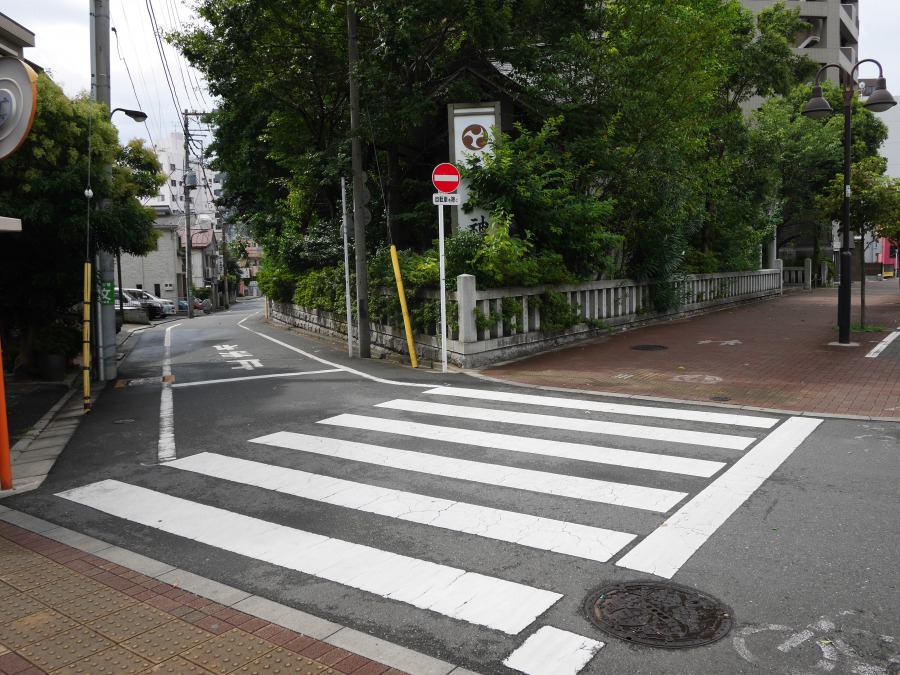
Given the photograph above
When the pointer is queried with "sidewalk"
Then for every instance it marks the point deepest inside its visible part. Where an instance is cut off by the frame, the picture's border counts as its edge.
(773, 354)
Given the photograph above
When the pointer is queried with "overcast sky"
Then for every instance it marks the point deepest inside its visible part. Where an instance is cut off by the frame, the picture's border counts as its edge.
(62, 38)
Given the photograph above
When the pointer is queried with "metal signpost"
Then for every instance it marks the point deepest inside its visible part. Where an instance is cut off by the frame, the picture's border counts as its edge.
(446, 179)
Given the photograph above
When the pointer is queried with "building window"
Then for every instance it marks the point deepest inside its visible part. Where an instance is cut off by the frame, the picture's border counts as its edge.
(173, 182)
(171, 167)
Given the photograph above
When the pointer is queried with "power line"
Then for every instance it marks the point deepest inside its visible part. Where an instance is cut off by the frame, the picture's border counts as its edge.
(130, 79)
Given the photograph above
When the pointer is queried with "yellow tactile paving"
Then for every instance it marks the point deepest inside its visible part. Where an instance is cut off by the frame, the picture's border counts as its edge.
(65, 588)
(17, 605)
(129, 622)
(283, 661)
(170, 639)
(64, 648)
(179, 666)
(34, 628)
(228, 651)
(112, 660)
(95, 605)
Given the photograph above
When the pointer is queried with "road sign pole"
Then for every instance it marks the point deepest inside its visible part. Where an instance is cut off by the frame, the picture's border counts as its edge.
(443, 288)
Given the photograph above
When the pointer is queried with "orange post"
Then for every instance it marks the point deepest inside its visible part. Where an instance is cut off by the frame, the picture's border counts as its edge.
(5, 464)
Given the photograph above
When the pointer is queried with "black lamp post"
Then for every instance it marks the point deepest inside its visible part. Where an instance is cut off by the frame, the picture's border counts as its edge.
(817, 108)
(137, 116)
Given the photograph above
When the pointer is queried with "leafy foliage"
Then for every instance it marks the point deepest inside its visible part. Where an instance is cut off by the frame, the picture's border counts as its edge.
(43, 184)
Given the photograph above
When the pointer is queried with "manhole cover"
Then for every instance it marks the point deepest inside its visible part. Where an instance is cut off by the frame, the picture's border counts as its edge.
(658, 614)
(649, 348)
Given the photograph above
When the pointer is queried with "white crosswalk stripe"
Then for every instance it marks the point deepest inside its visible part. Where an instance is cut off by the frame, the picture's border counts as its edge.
(486, 601)
(603, 407)
(573, 424)
(592, 543)
(714, 470)
(587, 453)
(606, 492)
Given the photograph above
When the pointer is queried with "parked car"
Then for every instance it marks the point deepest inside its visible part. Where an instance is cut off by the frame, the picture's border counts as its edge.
(167, 305)
(143, 299)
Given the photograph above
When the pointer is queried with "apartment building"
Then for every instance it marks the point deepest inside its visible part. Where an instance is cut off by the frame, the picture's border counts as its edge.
(833, 36)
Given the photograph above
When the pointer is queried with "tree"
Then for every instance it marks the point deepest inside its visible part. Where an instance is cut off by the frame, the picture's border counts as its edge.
(43, 184)
(874, 209)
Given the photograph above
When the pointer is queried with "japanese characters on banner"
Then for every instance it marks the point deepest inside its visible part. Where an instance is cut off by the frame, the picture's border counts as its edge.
(470, 128)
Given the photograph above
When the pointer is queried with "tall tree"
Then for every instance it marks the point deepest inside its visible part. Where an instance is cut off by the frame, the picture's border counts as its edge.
(43, 184)
(874, 209)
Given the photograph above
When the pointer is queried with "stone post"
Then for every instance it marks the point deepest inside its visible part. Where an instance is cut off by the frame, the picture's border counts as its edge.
(465, 293)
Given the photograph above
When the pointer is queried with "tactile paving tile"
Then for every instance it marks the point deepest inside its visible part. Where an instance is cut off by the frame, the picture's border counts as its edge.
(168, 640)
(228, 651)
(282, 661)
(37, 573)
(112, 660)
(65, 588)
(179, 666)
(129, 622)
(33, 628)
(94, 605)
(6, 589)
(17, 605)
(65, 648)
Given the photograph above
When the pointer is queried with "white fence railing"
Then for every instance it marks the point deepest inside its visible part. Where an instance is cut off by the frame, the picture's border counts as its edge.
(504, 323)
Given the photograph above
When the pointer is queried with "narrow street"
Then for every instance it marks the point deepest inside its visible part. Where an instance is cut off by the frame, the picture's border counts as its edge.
(459, 517)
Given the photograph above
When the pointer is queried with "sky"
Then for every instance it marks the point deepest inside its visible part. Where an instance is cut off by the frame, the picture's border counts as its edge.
(138, 77)
(62, 37)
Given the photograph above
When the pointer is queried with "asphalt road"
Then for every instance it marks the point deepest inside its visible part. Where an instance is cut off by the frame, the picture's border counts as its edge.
(455, 517)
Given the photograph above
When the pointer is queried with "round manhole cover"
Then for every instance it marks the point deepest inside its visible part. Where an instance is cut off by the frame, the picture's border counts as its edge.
(658, 614)
(649, 348)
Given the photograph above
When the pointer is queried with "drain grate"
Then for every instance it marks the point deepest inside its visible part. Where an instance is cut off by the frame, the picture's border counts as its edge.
(658, 614)
(649, 348)
(719, 398)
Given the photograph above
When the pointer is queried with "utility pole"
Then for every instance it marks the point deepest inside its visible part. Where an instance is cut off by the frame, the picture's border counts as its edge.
(359, 222)
(189, 280)
(106, 315)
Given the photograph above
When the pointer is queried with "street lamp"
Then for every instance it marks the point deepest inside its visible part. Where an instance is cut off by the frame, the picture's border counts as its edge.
(818, 108)
(137, 116)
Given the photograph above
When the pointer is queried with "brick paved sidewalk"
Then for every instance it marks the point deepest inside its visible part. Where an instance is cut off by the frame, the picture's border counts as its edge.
(773, 354)
(68, 611)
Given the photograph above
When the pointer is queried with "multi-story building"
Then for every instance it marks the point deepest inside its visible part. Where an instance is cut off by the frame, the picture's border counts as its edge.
(833, 36)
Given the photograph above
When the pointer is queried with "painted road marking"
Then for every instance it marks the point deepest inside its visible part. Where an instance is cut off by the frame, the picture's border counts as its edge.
(592, 543)
(605, 492)
(165, 446)
(486, 601)
(484, 439)
(551, 651)
(667, 548)
(601, 407)
(881, 346)
(573, 424)
(254, 377)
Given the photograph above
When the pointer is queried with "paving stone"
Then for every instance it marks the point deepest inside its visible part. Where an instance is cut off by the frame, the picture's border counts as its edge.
(113, 660)
(129, 622)
(17, 605)
(64, 648)
(231, 650)
(282, 661)
(179, 666)
(168, 640)
(34, 627)
(97, 604)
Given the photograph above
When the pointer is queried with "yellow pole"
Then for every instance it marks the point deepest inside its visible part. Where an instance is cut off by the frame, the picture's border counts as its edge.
(86, 339)
(402, 294)
(5, 463)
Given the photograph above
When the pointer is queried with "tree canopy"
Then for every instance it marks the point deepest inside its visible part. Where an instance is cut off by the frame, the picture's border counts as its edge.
(43, 184)
(632, 153)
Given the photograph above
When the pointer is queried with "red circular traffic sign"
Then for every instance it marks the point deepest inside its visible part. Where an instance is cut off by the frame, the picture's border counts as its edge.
(445, 177)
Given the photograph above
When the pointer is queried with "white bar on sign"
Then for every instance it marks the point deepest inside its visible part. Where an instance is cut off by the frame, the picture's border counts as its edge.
(10, 224)
(502, 605)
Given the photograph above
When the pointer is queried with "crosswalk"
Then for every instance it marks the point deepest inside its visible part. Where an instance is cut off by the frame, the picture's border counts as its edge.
(687, 470)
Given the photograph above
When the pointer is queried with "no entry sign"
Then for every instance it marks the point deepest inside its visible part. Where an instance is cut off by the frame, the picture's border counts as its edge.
(445, 177)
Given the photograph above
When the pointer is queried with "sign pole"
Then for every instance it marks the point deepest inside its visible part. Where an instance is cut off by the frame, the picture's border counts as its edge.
(346, 267)
(443, 289)
(445, 178)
